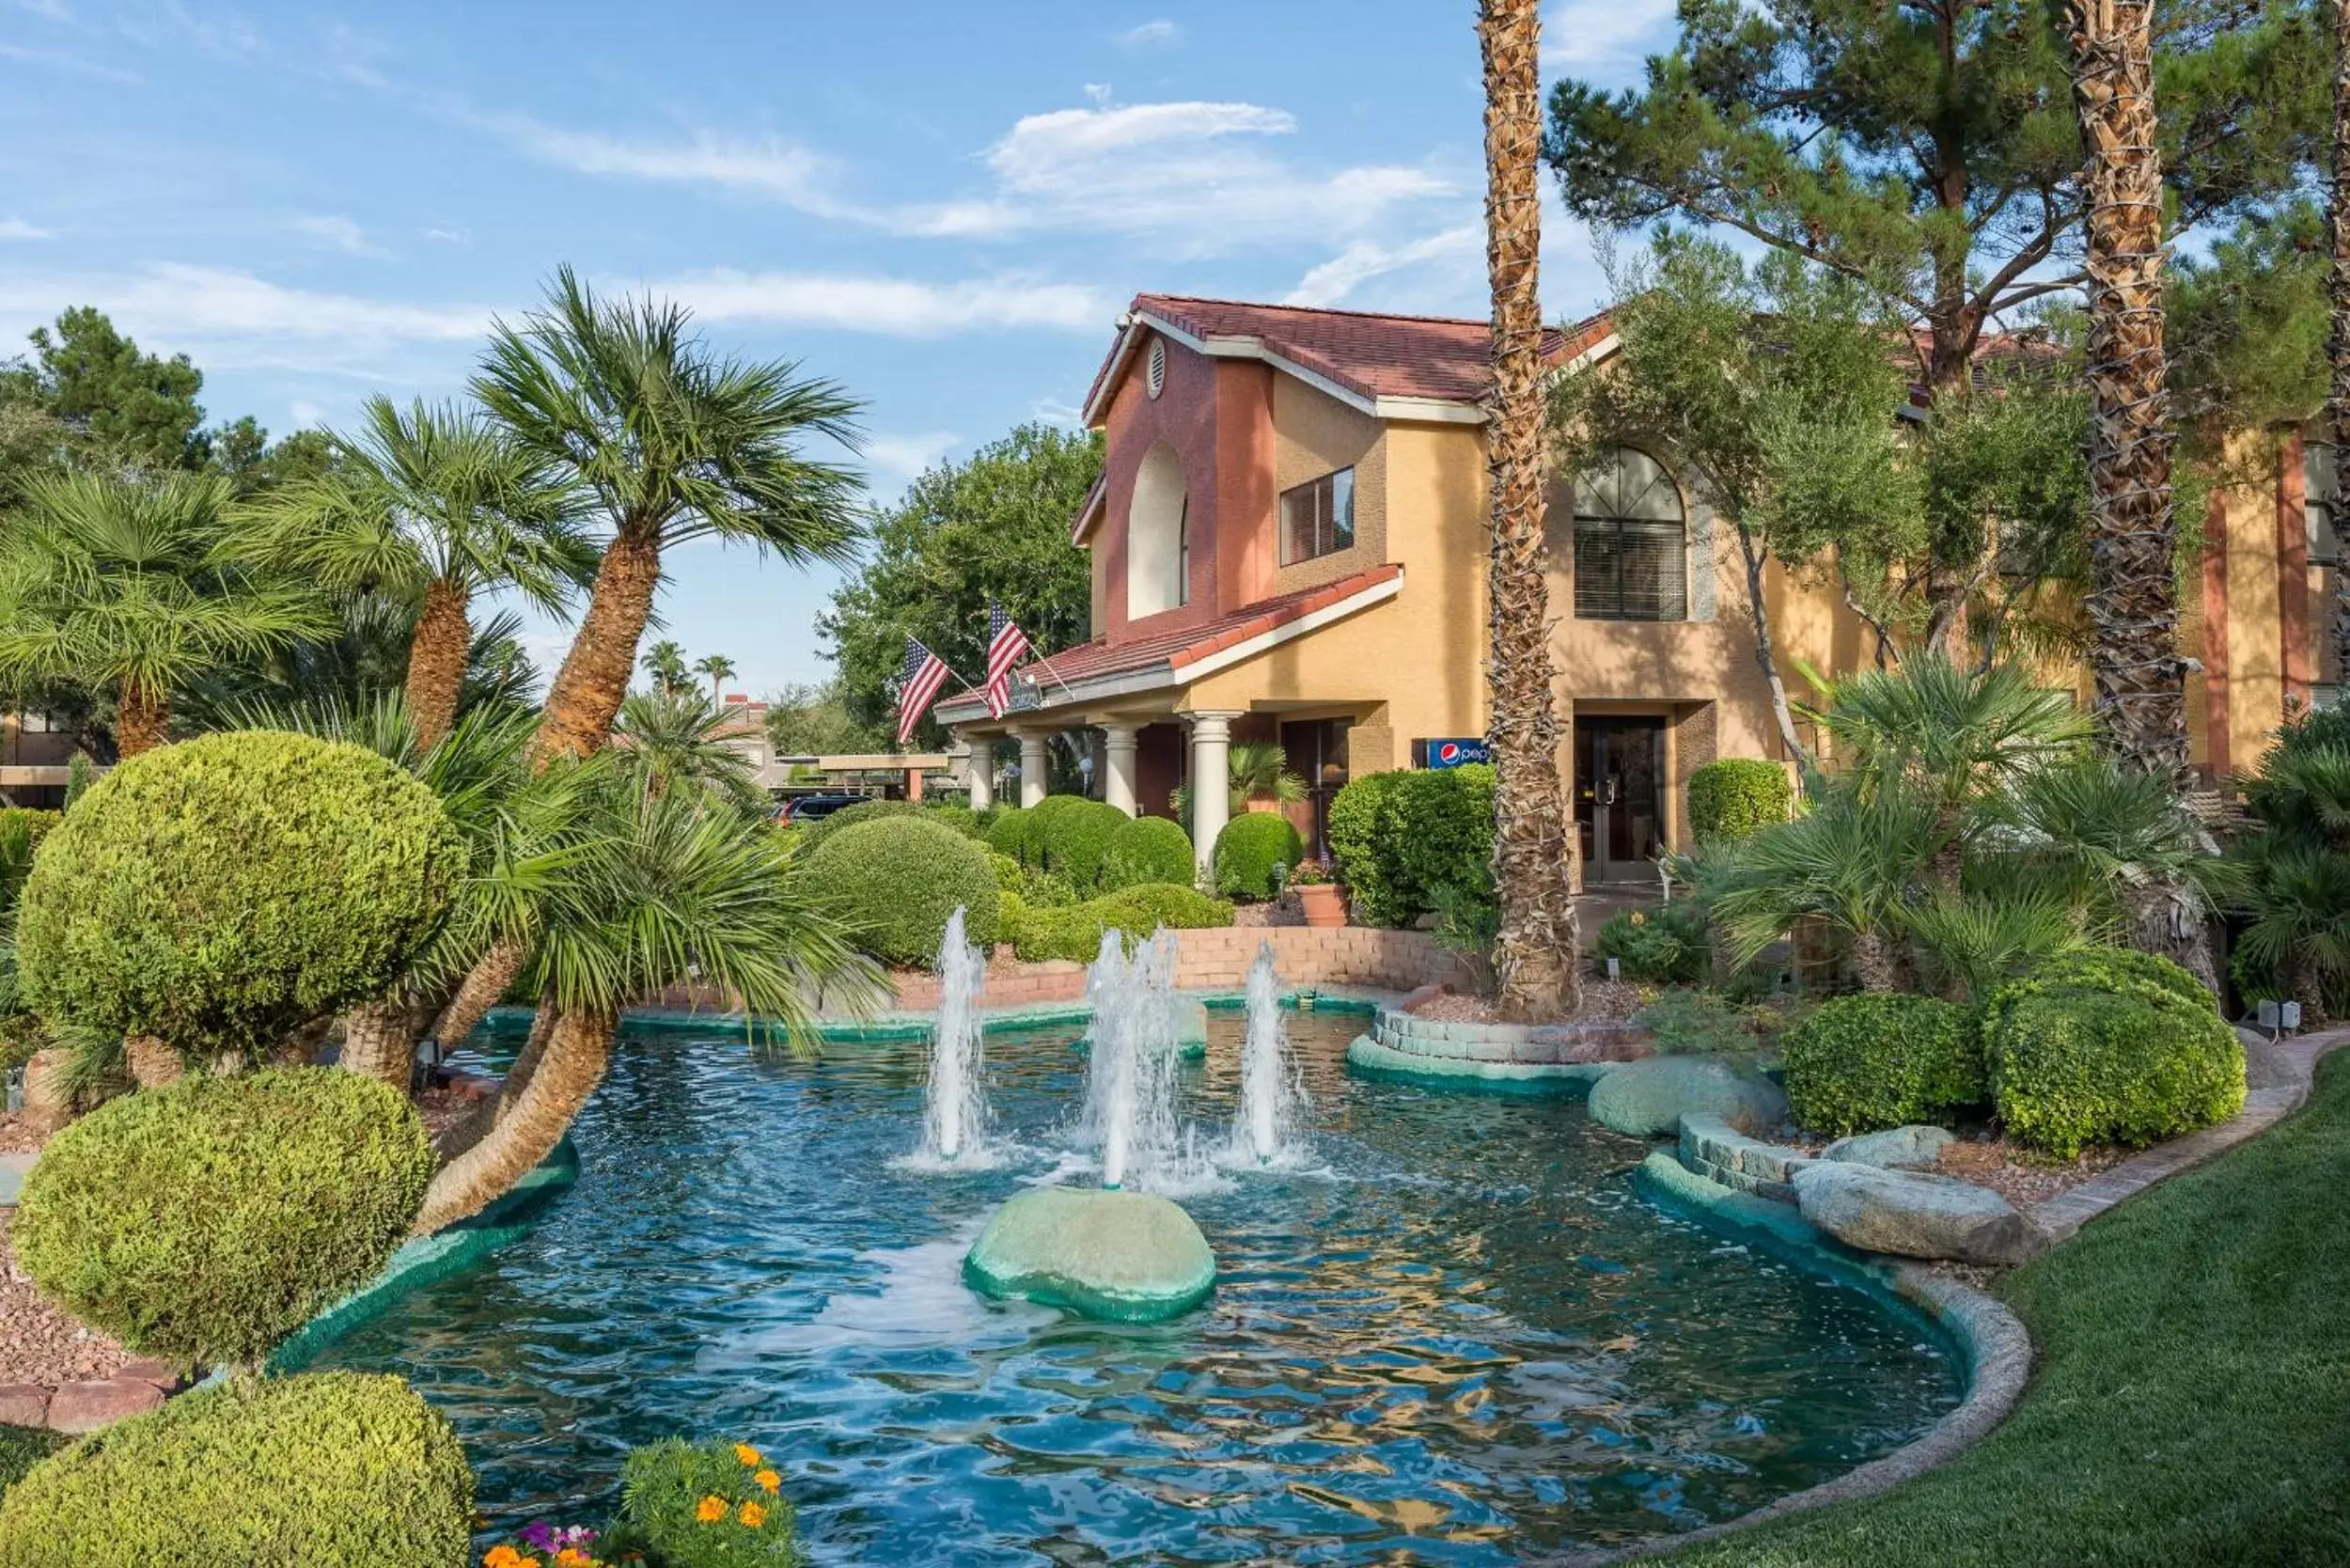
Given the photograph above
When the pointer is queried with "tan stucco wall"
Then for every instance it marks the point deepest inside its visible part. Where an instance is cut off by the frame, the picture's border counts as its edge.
(2255, 669)
(1313, 434)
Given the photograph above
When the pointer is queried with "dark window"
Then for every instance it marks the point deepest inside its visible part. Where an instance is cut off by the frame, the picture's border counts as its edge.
(2319, 500)
(1318, 517)
(1631, 541)
(1182, 554)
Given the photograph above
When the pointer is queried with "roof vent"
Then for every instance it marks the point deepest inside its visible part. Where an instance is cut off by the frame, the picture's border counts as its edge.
(1155, 378)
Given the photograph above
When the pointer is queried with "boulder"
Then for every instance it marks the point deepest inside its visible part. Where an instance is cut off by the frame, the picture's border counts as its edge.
(1647, 1098)
(1916, 1215)
(85, 1406)
(48, 1101)
(1127, 1257)
(1912, 1148)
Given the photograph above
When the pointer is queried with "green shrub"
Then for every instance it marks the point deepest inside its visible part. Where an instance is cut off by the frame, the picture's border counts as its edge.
(1254, 853)
(1410, 842)
(1666, 944)
(1359, 831)
(822, 828)
(1860, 1063)
(2106, 1046)
(1147, 848)
(1009, 834)
(35, 823)
(329, 1467)
(1735, 796)
(961, 818)
(1076, 841)
(208, 1219)
(220, 892)
(664, 1492)
(1687, 1022)
(1075, 932)
(24, 1447)
(898, 879)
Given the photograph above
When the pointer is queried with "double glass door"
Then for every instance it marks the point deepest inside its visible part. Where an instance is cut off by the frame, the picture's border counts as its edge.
(1620, 798)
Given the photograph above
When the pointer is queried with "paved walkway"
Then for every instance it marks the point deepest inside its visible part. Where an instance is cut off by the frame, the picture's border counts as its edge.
(2277, 1078)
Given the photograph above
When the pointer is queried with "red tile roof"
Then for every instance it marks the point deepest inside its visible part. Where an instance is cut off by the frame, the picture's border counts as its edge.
(1185, 646)
(1375, 355)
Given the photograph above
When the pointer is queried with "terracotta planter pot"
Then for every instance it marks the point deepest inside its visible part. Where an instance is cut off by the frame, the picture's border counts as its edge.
(1323, 905)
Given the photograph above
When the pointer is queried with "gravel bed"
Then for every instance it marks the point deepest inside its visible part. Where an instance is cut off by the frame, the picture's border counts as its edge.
(1601, 999)
(38, 1343)
(2020, 1176)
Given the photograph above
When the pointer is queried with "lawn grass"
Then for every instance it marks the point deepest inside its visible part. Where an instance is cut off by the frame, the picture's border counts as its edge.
(2191, 1402)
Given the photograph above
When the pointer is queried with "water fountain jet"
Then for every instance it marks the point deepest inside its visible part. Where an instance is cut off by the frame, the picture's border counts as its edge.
(954, 1122)
(1270, 1094)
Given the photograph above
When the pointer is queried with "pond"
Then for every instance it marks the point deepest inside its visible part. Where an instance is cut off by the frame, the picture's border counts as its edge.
(1453, 1335)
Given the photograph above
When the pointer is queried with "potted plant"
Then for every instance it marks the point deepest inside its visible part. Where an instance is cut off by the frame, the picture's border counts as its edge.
(1317, 895)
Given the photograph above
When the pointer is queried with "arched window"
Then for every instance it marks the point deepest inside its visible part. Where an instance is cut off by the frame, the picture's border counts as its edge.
(1631, 541)
(1157, 543)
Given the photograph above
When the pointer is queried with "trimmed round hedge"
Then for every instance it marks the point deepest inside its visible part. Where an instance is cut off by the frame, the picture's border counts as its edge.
(822, 828)
(2109, 1046)
(1147, 848)
(1074, 931)
(1734, 797)
(1009, 834)
(898, 879)
(220, 892)
(1407, 843)
(1076, 841)
(1862, 1063)
(1253, 853)
(328, 1467)
(207, 1220)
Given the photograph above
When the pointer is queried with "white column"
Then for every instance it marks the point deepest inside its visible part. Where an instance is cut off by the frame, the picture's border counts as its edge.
(982, 769)
(1118, 750)
(1211, 785)
(1032, 768)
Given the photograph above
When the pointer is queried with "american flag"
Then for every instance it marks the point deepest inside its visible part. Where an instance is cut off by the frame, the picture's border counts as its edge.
(918, 680)
(1007, 644)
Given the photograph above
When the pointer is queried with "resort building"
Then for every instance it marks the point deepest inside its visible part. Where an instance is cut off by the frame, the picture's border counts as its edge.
(1288, 544)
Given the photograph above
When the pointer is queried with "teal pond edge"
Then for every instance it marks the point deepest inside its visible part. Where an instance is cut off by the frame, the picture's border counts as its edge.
(425, 1259)
(1368, 1058)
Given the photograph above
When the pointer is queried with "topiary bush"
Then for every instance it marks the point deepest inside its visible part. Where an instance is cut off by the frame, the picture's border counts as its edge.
(1408, 844)
(2108, 1045)
(328, 1467)
(1076, 841)
(961, 818)
(1074, 933)
(220, 892)
(205, 1221)
(1666, 944)
(1147, 848)
(1361, 830)
(822, 828)
(1860, 1063)
(897, 880)
(702, 1505)
(1735, 796)
(1009, 834)
(1255, 853)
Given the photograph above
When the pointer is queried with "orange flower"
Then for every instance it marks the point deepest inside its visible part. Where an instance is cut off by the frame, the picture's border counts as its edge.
(768, 1480)
(571, 1557)
(752, 1515)
(710, 1510)
(500, 1556)
(747, 1454)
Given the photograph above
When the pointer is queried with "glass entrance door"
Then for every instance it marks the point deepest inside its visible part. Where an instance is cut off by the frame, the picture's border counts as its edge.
(1620, 798)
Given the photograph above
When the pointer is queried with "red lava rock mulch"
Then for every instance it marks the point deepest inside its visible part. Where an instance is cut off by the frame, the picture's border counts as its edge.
(1602, 998)
(17, 1136)
(2023, 1178)
(39, 1343)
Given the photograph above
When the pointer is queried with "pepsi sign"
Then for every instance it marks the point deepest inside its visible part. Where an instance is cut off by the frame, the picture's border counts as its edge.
(1456, 752)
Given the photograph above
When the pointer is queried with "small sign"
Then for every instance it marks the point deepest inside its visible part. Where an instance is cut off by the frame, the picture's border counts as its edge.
(1023, 697)
(1456, 752)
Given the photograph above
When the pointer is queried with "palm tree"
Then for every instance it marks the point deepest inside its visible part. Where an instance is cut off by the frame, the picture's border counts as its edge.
(137, 587)
(2133, 607)
(669, 737)
(1854, 862)
(432, 507)
(664, 890)
(664, 661)
(1534, 952)
(720, 669)
(673, 442)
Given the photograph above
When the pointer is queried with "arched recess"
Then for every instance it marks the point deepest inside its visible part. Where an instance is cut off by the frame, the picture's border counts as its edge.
(1631, 541)
(1157, 535)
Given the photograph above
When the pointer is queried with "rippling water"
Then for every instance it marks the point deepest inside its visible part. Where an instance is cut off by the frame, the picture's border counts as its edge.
(1459, 1338)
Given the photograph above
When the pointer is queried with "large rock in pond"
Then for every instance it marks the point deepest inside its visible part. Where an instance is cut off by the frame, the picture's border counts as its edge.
(1912, 1148)
(1647, 1098)
(1916, 1215)
(1127, 1257)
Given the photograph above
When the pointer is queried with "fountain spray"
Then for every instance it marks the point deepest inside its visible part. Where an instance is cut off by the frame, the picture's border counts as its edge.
(955, 1115)
(1269, 1091)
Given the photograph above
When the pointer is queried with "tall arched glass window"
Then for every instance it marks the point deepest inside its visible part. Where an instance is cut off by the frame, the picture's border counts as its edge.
(1631, 541)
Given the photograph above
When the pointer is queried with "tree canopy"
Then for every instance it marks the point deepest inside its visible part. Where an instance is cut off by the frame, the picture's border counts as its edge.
(995, 526)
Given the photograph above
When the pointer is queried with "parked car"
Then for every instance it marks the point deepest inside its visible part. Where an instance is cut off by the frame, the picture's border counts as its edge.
(814, 808)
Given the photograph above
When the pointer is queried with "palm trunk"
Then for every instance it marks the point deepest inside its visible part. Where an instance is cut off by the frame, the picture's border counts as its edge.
(379, 1041)
(579, 1048)
(491, 973)
(2132, 609)
(1534, 955)
(436, 661)
(142, 718)
(1873, 964)
(594, 678)
(151, 1063)
(2338, 351)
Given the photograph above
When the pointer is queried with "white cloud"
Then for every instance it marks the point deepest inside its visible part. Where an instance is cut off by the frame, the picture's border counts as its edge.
(1605, 39)
(900, 307)
(59, 59)
(305, 415)
(1159, 34)
(770, 167)
(893, 462)
(449, 236)
(1054, 412)
(342, 233)
(1334, 280)
(17, 228)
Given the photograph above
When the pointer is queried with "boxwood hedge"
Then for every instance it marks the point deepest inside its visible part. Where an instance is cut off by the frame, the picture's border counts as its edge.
(1147, 848)
(1254, 855)
(1074, 931)
(1076, 840)
(1405, 841)
(1734, 797)
(822, 828)
(1860, 1063)
(897, 880)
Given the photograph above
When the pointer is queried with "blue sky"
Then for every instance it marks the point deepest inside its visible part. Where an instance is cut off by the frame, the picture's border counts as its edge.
(942, 206)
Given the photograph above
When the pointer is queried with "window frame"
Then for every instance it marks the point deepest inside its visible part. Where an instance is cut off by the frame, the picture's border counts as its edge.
(1326, 531)
(1618, 527)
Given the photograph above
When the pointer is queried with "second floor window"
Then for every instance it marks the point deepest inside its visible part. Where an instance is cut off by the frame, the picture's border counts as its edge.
(1318, 517)
(1631, 541)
